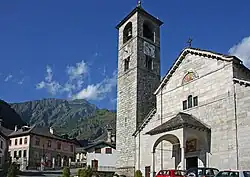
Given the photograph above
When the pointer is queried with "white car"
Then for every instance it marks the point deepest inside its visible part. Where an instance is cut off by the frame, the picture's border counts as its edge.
(233, 173)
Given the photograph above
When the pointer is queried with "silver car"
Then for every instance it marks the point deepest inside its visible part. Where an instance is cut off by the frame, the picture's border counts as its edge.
(233, 173)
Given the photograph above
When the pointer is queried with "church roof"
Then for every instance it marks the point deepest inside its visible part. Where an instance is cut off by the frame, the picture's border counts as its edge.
(194, 51)
(142, 11)
(181, 120)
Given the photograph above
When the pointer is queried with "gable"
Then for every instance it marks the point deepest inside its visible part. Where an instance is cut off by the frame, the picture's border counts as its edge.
(195, 61)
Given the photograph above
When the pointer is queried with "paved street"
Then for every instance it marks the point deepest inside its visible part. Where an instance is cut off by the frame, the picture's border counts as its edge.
(54, 173)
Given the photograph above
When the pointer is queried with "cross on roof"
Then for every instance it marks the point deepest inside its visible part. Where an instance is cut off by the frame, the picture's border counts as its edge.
(189, 42)
(139, 3)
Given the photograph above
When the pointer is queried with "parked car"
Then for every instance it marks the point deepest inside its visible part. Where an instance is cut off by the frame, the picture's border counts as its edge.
(171, 173)
(234, 173)
(202, 172)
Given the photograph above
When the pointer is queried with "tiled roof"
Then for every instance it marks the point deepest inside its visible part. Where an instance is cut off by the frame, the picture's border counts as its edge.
(42, 131)
(179, 121)
(99, 143)
(5, 132)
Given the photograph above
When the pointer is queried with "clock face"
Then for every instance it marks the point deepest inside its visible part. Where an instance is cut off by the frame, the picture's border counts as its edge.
(149, 49)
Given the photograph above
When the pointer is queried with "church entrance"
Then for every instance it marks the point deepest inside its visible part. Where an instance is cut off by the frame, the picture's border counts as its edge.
(191, 162)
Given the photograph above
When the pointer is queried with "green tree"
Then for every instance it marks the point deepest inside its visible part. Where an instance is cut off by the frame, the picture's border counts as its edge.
(12, 171)
(66, 172)
(138, 173)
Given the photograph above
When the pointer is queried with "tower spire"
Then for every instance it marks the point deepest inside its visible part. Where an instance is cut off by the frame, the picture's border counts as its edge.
(139, 3)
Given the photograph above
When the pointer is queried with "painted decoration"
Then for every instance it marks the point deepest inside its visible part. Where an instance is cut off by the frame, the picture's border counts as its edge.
(189, 77)
(191, 145)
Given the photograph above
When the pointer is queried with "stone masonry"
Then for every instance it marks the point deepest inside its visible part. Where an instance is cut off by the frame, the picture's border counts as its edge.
(135, 88)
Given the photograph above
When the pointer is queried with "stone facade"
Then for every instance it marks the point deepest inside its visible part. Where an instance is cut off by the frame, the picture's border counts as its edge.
(135, 86)
(210, 90)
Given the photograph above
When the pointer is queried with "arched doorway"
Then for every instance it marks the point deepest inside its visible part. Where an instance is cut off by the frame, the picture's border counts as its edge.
(166, 153)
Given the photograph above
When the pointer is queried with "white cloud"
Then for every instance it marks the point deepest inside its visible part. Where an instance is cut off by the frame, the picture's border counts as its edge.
(20, 82)
(8, 78)
(53, 87)
(97, 91)
(78, 71)
(242, 51)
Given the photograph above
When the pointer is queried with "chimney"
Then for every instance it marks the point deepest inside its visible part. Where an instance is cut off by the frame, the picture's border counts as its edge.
(15, 128)
(51, 130)
(109, 140)
(1, 122)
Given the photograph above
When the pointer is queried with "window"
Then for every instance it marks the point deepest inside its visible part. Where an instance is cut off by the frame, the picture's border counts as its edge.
(59, 145)
(149, 62)
(24, 153)
(246, 173)
(98, 150)
(20, 153)
(25, 140)
(108, 150)
(147, 32)
(229, 174)
(126, 64)
(127, 32)
(195, 101)
(1, 146)
(184, 105)
(10, 142)
(15, 141)
(15, 154)
(190, 103)
(37, 143)
(49, 143)
(20, 141)
(71, 148)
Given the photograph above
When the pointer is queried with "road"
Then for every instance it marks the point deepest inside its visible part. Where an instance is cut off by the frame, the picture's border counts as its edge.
(46, 173)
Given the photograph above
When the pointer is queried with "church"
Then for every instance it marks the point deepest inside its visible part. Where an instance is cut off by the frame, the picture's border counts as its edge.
(197, 115)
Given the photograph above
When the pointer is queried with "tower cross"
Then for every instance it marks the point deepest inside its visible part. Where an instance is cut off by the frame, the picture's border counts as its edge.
(139, 3)
(189, 42)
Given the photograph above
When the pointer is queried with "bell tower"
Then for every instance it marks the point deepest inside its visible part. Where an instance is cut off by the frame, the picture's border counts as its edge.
(138, 78)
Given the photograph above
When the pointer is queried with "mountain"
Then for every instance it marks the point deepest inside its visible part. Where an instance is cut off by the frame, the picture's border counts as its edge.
(77, 118)
(9, 116)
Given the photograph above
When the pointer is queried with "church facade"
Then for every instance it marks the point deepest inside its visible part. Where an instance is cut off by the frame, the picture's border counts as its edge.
(197, 115)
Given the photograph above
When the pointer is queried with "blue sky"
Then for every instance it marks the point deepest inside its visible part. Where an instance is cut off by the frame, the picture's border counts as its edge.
(68, 49)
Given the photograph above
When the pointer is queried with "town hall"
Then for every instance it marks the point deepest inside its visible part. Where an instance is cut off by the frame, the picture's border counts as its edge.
(197, 115)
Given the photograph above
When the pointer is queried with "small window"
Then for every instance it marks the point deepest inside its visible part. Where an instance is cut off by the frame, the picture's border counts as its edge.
(149, 63)
(25, 140)
(49, 143)
(59, 145)
(98, 150)
(37, 143)
(15, 141)
(195, 101)
(20, 141)
(126, 64)
(10, 142)
(15, 154)
(24, 153)
(108, 150)
(184, 105)
(1, 146)
(190, 101)
(71, 148)
(20, 153)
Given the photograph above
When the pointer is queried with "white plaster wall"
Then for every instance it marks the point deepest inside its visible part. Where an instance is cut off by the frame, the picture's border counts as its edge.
(106, 160)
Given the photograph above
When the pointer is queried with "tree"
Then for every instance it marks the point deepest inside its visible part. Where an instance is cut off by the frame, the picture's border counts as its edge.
(12, 171)
(66, 172)
(138, 173)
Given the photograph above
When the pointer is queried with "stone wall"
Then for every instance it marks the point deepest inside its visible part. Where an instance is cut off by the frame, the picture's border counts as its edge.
(214, 88)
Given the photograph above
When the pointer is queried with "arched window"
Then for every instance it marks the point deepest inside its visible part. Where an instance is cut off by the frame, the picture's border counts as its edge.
(127, 32)
(148, 32)
(190, 101)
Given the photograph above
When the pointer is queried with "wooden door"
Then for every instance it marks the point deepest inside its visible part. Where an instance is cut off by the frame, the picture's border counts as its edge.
(147, 171)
